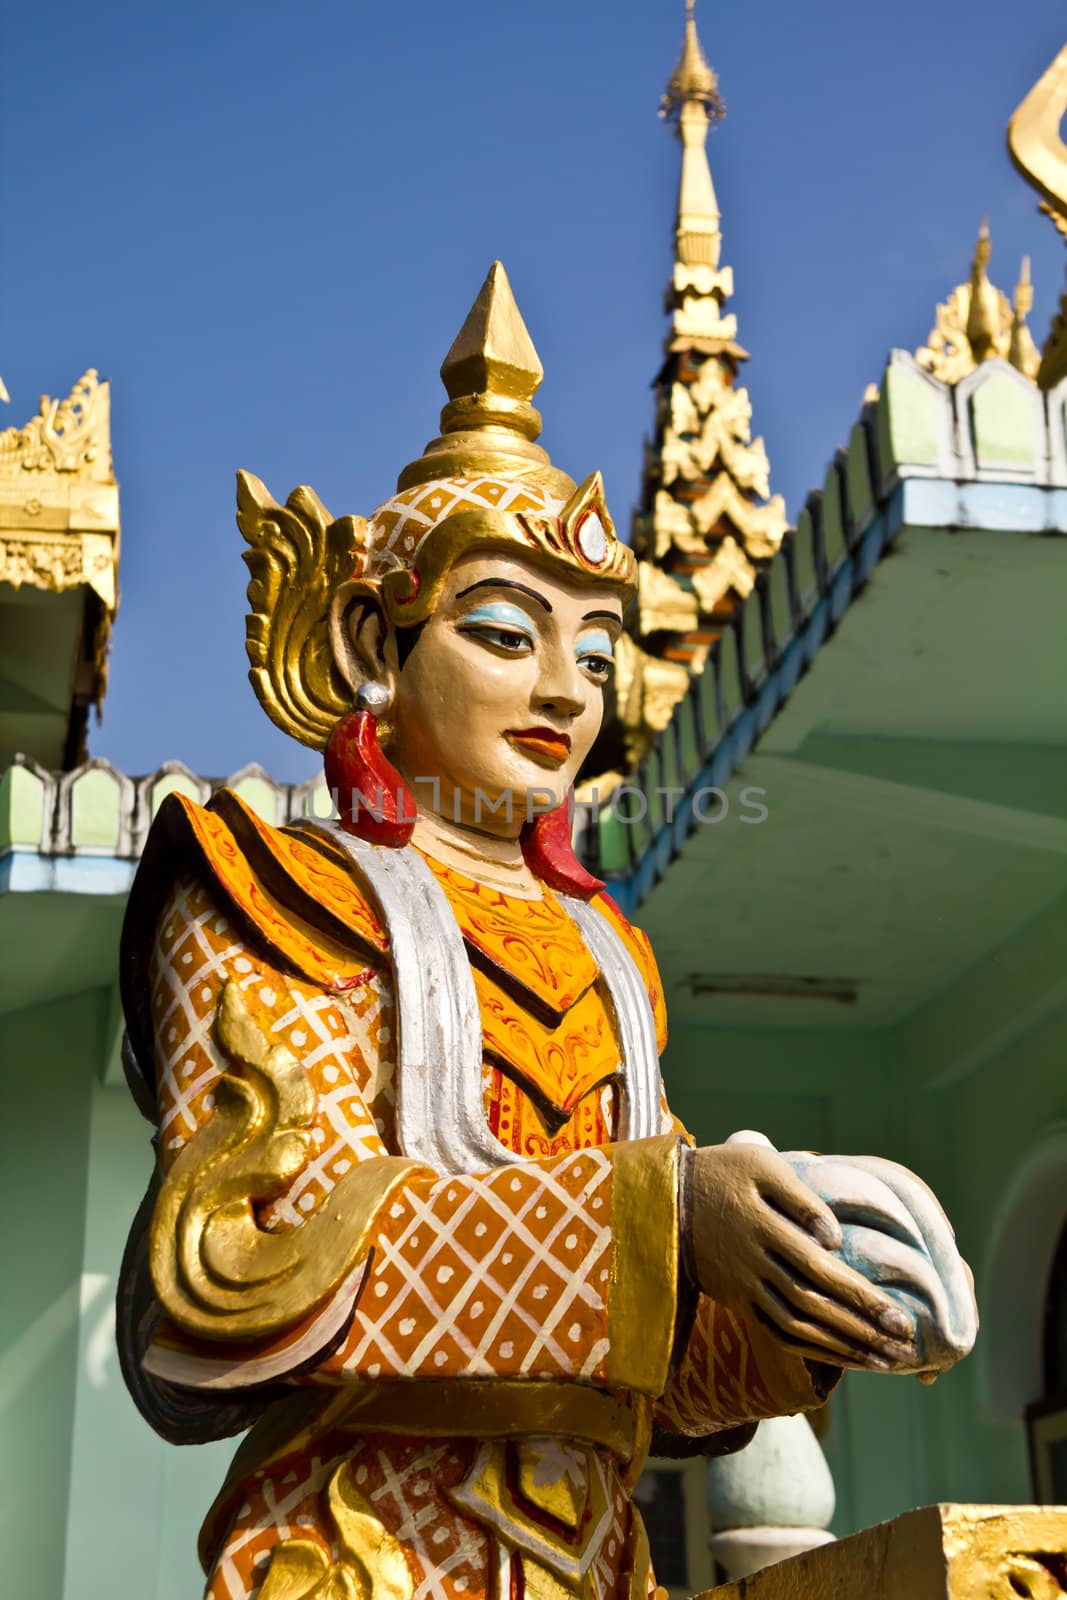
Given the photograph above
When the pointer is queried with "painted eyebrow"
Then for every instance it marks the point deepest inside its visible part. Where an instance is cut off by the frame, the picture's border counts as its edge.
(505, 583)
(608, 616)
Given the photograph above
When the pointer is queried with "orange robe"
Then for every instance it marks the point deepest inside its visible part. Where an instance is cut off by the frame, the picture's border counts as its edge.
(517, 1332)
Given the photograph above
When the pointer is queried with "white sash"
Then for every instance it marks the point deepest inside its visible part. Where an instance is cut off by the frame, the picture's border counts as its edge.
(440, 1110)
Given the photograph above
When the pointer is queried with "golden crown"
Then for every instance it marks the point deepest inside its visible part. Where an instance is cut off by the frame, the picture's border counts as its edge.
(483, 480)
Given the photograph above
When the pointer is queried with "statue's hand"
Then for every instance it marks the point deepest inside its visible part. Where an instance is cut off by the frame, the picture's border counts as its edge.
(760, 1244)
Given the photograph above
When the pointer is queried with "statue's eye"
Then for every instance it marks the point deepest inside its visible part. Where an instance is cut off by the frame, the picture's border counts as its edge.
(597, 666)
(515, 641)
(502, 627)
(596, 656)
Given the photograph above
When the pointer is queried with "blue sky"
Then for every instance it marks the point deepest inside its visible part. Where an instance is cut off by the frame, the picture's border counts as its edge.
(265, 222)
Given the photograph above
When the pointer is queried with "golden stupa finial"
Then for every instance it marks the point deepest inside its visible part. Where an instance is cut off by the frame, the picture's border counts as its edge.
(1022, 351)
(692, 81)
(691, 104)
(491, 374)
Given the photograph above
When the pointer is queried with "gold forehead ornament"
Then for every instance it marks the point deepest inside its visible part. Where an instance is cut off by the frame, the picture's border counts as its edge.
(483, 481)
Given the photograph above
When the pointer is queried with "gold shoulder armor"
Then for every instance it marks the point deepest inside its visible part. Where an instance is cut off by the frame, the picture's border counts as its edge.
(297, 557)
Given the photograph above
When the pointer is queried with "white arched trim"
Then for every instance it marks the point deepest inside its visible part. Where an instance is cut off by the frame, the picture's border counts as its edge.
(1013, 1283)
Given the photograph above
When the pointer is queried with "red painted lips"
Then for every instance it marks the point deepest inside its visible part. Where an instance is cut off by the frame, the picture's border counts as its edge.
(547, 746)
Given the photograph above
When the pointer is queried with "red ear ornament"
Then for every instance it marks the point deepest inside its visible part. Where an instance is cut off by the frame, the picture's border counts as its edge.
(372, 798)
(549, 853)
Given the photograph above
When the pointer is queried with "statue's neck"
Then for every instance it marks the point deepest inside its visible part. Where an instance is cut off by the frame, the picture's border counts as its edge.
(496, 862)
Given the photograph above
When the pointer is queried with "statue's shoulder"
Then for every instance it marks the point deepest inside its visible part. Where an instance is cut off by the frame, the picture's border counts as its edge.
(292, 893)
(633, 938)
(639, 946)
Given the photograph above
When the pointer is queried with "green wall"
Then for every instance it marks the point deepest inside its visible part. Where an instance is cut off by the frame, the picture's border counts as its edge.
(93, 1506)
(964, 1092)
(141, 1512)
(44, 1150)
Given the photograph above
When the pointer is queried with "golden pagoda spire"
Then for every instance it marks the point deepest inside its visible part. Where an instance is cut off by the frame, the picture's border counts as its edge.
(691, 103)
(1022, 351)
(706, 521)
(692, 78)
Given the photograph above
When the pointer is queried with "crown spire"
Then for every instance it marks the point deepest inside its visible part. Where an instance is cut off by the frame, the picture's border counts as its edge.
(493, 354)
(491, 374)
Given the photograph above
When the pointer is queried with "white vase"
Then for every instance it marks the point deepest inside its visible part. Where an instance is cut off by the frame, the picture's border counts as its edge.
(771, 1500)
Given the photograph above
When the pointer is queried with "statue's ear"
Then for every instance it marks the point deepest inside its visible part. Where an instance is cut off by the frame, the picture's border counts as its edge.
(360, 636)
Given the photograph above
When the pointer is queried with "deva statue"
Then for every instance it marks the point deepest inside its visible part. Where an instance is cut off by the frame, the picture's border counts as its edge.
(421, 1221)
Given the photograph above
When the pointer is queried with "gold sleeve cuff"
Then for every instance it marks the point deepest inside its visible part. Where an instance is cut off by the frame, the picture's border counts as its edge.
(644, 1273)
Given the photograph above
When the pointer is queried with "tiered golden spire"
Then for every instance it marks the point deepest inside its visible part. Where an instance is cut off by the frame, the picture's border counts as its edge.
(708, 471)
(706, 520)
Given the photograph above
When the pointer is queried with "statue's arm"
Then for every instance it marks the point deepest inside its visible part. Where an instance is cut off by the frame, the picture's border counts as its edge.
(276, 1103)
(756, 1259)
(729, 1369)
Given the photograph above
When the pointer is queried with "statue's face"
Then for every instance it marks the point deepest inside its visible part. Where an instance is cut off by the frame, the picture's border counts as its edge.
(502, 696)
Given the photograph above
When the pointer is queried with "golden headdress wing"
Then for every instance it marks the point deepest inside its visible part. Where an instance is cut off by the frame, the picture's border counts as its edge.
(297, 558)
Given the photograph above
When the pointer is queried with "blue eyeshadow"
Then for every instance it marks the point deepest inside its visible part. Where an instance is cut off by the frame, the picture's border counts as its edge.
(501, 613)
(594, 644)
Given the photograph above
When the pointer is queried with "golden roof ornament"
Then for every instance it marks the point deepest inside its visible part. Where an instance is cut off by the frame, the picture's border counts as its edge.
(1037, 148)
(59, 509)
(1022, 351)
(985, 310)
(978, 323)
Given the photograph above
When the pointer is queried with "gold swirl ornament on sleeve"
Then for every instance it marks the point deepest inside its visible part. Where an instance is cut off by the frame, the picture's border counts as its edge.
(370, 1564)
(217, 1273)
